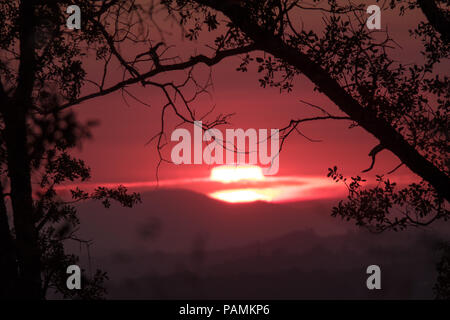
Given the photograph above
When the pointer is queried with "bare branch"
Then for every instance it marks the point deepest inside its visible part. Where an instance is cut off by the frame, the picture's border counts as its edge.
(209, 61)
(396, 168)
(373, 153)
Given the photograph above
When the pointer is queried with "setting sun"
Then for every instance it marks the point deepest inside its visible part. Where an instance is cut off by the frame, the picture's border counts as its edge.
(239, 174)
(245, 195)
(227, 173)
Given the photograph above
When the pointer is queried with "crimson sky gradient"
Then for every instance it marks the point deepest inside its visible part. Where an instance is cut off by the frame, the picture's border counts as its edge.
(118, 151)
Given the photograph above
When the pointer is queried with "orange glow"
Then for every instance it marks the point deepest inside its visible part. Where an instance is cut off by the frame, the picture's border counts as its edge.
(228, 173)
(245, 195)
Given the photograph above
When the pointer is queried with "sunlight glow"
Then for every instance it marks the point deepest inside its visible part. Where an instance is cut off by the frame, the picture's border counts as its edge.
(228, 173)
(245, 195)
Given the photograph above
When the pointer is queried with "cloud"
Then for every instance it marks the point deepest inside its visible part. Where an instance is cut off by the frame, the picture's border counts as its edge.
(270, 189)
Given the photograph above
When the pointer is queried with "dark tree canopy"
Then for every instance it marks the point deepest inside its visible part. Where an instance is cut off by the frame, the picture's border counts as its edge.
(44, 73)
(403, 105)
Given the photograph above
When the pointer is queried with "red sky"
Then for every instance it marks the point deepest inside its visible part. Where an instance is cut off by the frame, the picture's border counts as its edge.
(118, 152)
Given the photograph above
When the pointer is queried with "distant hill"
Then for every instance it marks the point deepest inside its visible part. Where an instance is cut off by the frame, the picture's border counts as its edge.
(172, 220)
(180, 244)
(300, 265)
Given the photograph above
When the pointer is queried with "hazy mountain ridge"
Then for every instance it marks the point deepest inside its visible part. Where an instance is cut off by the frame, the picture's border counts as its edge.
(179, 244)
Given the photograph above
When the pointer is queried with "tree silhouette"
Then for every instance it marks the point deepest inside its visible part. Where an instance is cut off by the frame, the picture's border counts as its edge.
(42, 75)
(405, 106)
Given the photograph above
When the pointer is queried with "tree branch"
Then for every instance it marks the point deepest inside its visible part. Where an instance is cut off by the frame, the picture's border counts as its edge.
(365, 117)
(219, 56)
(438, 18)
(373, 153)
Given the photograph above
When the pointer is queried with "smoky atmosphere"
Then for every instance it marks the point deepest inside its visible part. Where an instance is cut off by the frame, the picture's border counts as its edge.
(203, 150)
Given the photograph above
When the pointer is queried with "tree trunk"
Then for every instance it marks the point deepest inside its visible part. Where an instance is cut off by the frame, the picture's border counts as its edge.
(18, 162)
(27, 246)
(8, 265)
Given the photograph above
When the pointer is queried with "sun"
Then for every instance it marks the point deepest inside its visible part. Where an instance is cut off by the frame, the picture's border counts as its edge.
(245, 195)
(235, 173)
(240, 174)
